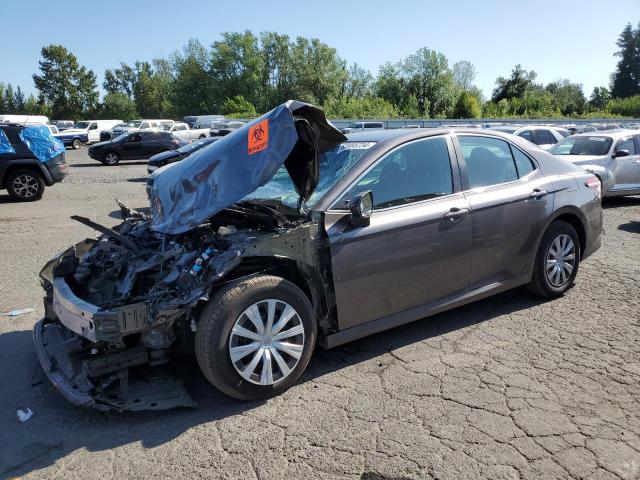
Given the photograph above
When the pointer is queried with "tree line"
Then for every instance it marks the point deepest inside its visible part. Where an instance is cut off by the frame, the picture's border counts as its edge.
(243, 75)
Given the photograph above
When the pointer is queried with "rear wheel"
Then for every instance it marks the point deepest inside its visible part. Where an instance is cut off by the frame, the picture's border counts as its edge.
(256, 337)
(76, 144)
(201, 137)
(557, 261)
(111, 158)
(25, 185)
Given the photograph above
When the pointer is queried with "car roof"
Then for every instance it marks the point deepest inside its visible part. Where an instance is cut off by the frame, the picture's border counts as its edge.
(615, 133)
(414, 133)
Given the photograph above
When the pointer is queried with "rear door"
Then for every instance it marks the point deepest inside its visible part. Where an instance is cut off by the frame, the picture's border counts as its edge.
(626, 170)
(510, 200)
(416, 249)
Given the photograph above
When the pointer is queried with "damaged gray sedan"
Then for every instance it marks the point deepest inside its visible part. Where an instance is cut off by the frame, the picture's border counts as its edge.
(286, 234)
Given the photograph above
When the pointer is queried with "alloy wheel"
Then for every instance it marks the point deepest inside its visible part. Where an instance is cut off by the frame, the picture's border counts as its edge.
(26, 186)
(266, 342)
(111, 158)
(560, 260)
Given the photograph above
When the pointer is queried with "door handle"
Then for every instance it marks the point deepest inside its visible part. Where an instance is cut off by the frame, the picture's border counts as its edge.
(538, 193)
(455, 214)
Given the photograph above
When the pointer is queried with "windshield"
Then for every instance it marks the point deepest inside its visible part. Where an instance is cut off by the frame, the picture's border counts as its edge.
(134, 123)
(583, 146)
(334, 165)
(81, 125)
(355, 125)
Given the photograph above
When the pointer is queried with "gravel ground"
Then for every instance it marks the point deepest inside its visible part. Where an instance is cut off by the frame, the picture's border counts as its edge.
(509, 387)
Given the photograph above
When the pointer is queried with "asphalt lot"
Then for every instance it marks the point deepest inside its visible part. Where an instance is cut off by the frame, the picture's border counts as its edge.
(509, 387)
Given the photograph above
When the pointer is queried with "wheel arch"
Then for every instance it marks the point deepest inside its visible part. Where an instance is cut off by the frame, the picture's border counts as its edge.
(26, 165)
(574, 217)
(305, 277)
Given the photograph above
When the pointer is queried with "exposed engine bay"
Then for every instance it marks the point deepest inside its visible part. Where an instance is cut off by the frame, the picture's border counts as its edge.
(118, 307)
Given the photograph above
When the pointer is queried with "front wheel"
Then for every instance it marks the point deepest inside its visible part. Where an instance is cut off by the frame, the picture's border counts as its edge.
(557, 261)
(111, 158)
(255, 337)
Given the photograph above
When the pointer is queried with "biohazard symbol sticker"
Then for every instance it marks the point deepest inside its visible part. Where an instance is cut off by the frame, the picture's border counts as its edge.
(258, 138)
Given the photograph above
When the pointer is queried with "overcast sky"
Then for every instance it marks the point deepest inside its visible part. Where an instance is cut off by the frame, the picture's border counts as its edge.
(574, 40)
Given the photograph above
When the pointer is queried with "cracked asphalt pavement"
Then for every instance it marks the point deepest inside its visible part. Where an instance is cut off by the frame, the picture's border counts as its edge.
(506, 388)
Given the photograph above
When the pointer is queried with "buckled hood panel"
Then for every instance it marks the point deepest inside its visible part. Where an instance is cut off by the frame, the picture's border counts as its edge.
(187, 193)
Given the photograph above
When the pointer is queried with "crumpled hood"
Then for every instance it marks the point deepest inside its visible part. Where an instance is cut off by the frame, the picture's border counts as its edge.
(582, 159)
(187, 193)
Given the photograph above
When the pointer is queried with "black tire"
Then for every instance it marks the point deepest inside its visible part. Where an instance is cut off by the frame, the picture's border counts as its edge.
(25, 185)
(540, 283)
(111, 158)
(213, 334)
(76, 144)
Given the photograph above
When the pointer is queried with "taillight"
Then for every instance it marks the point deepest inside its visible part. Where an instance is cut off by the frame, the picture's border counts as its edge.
(593, 182)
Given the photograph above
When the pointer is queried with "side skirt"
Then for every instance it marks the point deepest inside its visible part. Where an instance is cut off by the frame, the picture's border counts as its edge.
(417, 313)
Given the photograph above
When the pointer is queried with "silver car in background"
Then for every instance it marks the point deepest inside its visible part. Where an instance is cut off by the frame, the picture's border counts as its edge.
(612, 155)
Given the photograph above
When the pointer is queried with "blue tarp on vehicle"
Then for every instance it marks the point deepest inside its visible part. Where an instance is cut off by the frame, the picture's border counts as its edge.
(5, 144)
(187, 193)
(41, 142)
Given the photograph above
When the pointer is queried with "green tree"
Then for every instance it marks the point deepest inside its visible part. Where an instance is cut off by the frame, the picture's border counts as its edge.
(390, 84)
(9, 99)
(467, 106)
(464, 73)
(118, 105)
(599, 98)
(192, 91)
(568, 98)
(18, 101)
(359, 82)
(353, 108)
(3, 105)
(238, 107)
(626, 78)
(68, 87)
(410, 108)
(120, 80)
(515, 86)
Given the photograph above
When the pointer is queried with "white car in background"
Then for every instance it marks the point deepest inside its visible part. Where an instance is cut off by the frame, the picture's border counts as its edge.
(542, 135)
(182, 130)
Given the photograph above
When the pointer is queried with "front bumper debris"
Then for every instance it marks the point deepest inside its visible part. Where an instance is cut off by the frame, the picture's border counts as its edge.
(117, 381)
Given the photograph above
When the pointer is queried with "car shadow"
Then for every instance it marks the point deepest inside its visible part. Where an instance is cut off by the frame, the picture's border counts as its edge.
(5, 198)
(631, 227)
(57, 428)
(137, 180)
(615, 202)
(118, 214)
(97, 163)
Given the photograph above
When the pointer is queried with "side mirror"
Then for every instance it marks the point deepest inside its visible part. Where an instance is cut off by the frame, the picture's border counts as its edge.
(361, 207)
(621, 153)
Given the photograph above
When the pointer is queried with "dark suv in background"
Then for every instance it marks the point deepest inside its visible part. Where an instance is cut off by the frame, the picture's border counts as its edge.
(22, 174)
(134, 146)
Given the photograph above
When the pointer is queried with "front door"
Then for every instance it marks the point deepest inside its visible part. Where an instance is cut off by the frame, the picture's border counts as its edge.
(416, 248)
(94, 133)
(510, 201)
(626, 170)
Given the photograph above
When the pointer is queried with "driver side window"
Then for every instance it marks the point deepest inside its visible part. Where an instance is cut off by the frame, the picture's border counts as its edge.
(627, 144)
(416, 171)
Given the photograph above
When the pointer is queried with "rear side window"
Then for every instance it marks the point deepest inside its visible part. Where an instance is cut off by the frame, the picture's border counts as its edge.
(12, 135)
(489, 161)
(523, 163)
(526, 134)
(543, 137)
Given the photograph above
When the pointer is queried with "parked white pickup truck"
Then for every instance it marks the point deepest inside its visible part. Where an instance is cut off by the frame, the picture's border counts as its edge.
(182, 130)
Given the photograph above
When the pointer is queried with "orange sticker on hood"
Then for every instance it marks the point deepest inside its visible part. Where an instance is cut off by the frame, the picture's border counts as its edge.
(258, 137)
